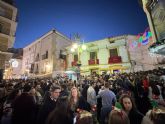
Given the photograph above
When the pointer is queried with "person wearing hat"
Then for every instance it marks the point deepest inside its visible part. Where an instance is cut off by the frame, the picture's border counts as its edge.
(49, 104)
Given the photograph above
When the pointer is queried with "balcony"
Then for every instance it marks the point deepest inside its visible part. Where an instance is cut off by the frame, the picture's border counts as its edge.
(93, 61)
(114, 59)
(74, 63)
(5, 31)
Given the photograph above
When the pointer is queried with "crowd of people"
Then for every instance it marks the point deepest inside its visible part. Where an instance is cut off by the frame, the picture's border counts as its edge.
(127, 98)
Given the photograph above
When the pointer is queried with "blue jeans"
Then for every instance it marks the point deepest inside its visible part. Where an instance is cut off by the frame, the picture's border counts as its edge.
(104, 114)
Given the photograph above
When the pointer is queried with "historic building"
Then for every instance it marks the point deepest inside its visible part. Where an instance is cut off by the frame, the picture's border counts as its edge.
(128, 53)
(8, 24)
(108, 55)
(43, 57)
(13, 67)
(155, 12)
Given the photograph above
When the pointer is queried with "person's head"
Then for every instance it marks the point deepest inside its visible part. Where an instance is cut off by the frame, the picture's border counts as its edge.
(55, 92)
(63, 87)
(156, 115)
(93, 84)
(74, 92)
(159, 118)
(33, 91)
(84, 117)
(118, 117)
(106, 85)
(127, 103)
(27, 88)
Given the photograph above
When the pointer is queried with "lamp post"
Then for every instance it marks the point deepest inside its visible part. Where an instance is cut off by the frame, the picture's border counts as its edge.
(79, 48)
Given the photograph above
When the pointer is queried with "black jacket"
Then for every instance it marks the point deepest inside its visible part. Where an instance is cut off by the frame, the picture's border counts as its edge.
(47, 107)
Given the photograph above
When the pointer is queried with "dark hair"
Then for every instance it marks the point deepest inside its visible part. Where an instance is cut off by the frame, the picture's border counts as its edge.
(53, 88)
(106, 85)
(132, 101)
(64, 86)
(27, 88)
(61, 113)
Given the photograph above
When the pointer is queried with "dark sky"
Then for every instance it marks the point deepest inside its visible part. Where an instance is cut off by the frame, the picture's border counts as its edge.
(92, 19)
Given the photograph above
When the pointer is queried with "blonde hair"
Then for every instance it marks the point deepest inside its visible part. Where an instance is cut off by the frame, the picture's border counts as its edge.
(71, 99)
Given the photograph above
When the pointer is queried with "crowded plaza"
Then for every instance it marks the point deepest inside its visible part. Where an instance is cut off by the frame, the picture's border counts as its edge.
(129, 98)
(82, 62)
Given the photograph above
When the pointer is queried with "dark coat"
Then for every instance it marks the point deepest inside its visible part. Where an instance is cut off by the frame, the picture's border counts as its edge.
(135, 117)
(47, 107)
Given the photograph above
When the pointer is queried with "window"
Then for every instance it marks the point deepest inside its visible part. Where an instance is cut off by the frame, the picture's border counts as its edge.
(37, 57)
(113, 52)
(93, 55)
(46, 54)
(32, 68)
(76, 57)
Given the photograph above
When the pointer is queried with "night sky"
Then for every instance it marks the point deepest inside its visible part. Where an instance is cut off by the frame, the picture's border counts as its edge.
(92, 19)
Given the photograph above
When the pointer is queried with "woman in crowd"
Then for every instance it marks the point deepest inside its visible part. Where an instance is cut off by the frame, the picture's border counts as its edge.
(61, 114)
(129, 107)
(77, 102)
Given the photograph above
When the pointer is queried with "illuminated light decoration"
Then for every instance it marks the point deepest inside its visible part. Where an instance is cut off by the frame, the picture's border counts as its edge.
(145, 42)
(72, 50)
(142, 39)
(84, 47)
(14, 64)
(138, 37)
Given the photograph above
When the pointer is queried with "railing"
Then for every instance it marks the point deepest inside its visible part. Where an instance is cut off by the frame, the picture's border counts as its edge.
(114, 59)
(93, 61)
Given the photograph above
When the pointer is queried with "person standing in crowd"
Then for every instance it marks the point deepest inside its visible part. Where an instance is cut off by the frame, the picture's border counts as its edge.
(77, 102)
(108, 99)
(62, 113)
(49, 104)
(91, 95)
(24, 109)
(129, 107)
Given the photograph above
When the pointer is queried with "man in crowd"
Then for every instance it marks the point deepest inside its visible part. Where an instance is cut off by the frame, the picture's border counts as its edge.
(49, 104)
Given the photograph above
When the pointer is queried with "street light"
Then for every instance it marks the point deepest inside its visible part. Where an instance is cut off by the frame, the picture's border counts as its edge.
(79, 48)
